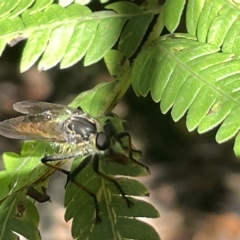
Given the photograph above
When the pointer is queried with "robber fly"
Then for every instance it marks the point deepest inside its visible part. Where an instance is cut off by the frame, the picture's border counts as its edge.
(75, 132)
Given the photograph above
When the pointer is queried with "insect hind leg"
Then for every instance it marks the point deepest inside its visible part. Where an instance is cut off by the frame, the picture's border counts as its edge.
(71, 176)
(96, 169)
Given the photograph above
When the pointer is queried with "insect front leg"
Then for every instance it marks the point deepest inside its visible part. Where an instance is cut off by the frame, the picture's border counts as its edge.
(130, 150)
(111, 130)
(96, 169)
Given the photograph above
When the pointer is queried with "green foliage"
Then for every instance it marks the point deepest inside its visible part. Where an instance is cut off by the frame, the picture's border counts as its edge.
(25, 171)
(17, 212)
(194, 73)
(66, 35)
(210, 78)
(115, 214)
(20, 215)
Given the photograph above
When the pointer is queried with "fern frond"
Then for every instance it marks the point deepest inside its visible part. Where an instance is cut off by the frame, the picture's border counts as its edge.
(17, 212)
(193, 78)
(25, 169)
(215, 22)
(191, 73)
(18, 215)
(175, 10)
(117, 217)
(66, 35)
(135, 28)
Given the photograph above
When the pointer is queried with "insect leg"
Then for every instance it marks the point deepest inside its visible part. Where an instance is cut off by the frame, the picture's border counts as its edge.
(96, 169)
(54, 158)
(71, 176)
(110, 129)
(38, 196)
(130, 150)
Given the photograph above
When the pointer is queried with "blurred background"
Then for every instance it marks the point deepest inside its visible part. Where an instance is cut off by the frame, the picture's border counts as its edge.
(194, 182)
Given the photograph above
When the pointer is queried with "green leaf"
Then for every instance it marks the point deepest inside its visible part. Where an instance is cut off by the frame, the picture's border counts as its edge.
(7, 6)
(81, 32)
(55, 49)
(172, 12)
(26, 169)
(21, 7)
(40, 5)
(217, 33)
(106, 36)
(18, 214)
(115, 62)
(113, 208)
(104, 96)
(37, 43)
(231, 41)
(126, 229)
(173, 67)
(65, 35)
(5, 182)
(10, 27)
(208, 14)
(140, 208)
(215, 22)
(194, 9)
(133, 34)
(124, 7)
(79, 43)
(95, 102)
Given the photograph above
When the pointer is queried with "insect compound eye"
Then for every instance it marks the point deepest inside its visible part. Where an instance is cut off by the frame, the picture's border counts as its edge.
(82, 127)
(102, 141)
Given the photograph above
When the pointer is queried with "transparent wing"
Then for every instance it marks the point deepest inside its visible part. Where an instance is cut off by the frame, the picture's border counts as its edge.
(47, 121)
(28, 128)
(34, 107)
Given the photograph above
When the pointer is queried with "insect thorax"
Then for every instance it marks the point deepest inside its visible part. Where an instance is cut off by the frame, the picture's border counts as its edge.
(80, 149)
(79, 129)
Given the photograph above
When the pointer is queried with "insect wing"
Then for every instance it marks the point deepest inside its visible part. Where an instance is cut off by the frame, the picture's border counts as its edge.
(22, 128)
(8, 128)
(34, 107)
(44, 122)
